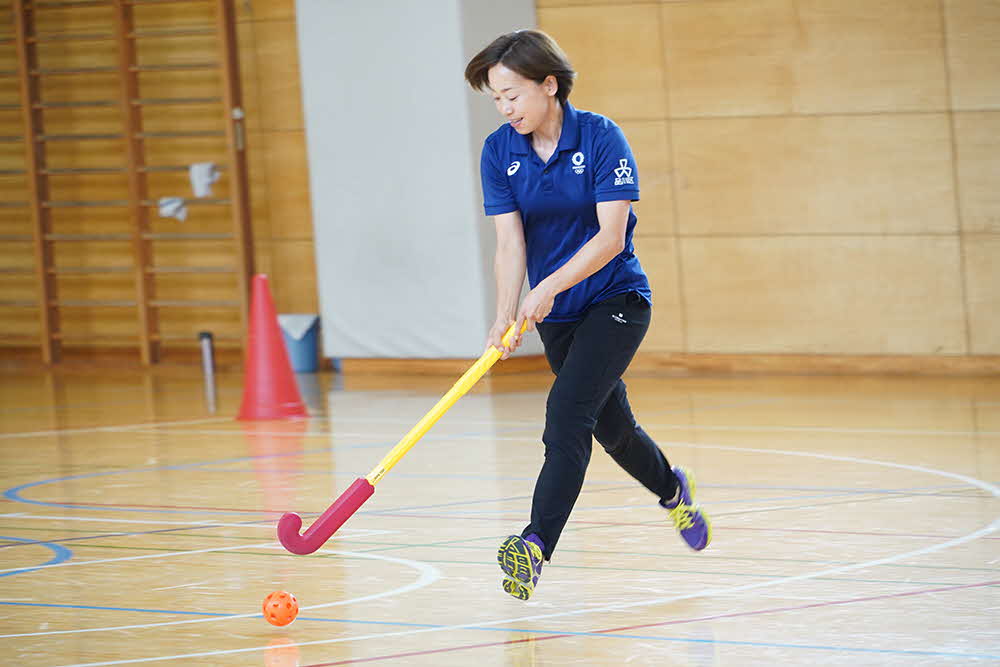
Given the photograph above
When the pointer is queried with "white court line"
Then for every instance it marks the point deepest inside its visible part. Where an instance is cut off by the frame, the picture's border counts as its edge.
(193, 524)
(170, 554)
(647, 425)
(992, 527)
(821, 429)
(279, 434)
(187, 585)
(428, 575)
(146, 557)
(264, 523)
(110, 429)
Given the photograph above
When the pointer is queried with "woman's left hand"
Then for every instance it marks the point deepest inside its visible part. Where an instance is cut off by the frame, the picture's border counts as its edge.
(536, 306)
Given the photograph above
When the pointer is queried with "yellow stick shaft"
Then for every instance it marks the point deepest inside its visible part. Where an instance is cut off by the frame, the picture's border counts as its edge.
(460, 388)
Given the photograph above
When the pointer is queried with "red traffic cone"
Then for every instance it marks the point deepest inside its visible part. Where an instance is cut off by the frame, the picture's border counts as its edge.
(269, 389)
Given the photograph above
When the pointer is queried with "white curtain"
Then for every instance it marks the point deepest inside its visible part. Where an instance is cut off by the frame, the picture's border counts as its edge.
(403, 249)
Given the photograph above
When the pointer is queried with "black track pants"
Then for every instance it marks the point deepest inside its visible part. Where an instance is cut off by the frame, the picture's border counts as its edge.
(587, 401)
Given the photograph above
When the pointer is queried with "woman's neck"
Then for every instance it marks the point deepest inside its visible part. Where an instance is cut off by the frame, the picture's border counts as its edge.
(547, 134)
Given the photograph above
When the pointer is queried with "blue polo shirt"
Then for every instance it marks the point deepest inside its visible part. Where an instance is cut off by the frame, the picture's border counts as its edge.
(558, 203)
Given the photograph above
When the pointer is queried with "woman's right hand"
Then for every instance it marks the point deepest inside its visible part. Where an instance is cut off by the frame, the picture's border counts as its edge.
(496, 335)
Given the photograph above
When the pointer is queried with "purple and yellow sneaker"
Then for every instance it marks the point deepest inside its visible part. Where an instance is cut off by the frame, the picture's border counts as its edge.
(521, 560)
(692, 521)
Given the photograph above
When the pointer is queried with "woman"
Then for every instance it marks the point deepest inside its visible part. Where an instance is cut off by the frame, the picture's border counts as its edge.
(559, 183)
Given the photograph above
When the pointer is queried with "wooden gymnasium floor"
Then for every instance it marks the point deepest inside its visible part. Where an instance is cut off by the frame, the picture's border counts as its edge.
(854, 523)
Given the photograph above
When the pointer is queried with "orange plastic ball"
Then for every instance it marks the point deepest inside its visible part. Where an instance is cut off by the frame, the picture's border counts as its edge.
(280, 608)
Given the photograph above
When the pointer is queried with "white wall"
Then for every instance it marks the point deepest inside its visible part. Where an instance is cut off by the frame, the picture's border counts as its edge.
(404, 252)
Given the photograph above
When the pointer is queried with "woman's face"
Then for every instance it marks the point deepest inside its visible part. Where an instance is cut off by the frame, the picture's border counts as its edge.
(522, 102)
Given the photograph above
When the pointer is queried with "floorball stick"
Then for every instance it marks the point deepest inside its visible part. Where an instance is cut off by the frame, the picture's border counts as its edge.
(363, 487)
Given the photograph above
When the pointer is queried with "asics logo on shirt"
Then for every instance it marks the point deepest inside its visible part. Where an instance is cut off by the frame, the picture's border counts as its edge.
(514, 166)
(623, 174)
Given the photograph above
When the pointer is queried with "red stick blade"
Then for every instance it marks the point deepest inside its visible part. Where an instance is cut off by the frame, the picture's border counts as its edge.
(327, 524)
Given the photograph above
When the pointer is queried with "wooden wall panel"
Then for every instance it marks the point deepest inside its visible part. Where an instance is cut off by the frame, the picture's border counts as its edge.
(14, 256)
(81, 19)
(547, 4)
(265, 10)
(263, 259)
(278, 75)
(257, 142)
(173, 15)
(80, 187)
(650, 144)
(98, 326)
(801, 192)
(982, 266)
(195, 117)
(199, 286)
(89, 154)
(248, 73)
(88, 220)
(72, 54)
(80, 88)
(185, 151)
(293, 282)
(288, 179)
(178, 184)
(193, 254)
(279, 158)
(185, 323)
(12, 187)
(825, 175)
(279, 165)
(12, 152)
(831, 295)
(103, 286)
(977, 146)
(803, 56)
(83, 120)
(658, 256)
(176, 50)
(974, 53)
(93, 254)
(16, 286)
(20, 325)
(8, 52)
(187, 83)
(618, 57)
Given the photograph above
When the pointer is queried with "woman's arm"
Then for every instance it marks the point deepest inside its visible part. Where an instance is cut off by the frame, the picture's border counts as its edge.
(509, 266)
(588, 260)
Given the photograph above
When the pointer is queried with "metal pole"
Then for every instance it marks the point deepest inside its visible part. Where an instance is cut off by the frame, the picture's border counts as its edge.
(208, 368)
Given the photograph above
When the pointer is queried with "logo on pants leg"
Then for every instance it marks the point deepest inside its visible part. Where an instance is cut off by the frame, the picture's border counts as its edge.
(619, 318)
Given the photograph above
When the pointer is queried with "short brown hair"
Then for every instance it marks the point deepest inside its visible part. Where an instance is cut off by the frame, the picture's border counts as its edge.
(531, 53)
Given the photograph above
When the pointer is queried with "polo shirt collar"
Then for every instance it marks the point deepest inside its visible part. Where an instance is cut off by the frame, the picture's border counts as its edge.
(569, 137)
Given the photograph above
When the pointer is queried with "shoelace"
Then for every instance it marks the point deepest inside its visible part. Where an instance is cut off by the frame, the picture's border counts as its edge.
(682, 516)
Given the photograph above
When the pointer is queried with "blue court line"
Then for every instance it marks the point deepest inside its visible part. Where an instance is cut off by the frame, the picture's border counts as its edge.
(536, 632)
(60, 552)
(14, 493)
(97, 536)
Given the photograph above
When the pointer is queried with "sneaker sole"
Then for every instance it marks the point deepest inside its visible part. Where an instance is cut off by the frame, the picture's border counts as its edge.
(515, 560)
(516, 589)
